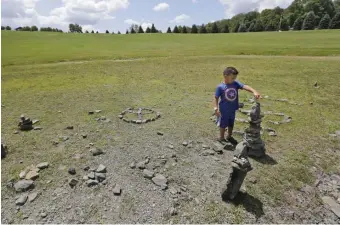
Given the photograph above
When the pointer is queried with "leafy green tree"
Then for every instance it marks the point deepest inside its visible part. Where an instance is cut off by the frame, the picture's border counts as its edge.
(92, 32)
(140, 30)
(298, 24)
(309, 22)
(34, 28)
(97, 32)
(118, 32)
(284, 25)
(132, 31)
(86, 31)
(251, 28)
(236, 27)
(335, 23)
(107, 32)
(153, 29)
(325, 22)
(203, 30)
(3, 28)
(225, 29)
(176, 31)
(184, 30)
(194, 29)
(127, 32)
(214, 28)
(242, 28)
(258, 27)
(26, 28)
(148, 30)
(8, 28)
(169, 30)
(113, 32)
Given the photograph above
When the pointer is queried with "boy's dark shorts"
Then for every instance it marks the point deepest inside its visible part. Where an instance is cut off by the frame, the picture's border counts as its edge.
(227, 119)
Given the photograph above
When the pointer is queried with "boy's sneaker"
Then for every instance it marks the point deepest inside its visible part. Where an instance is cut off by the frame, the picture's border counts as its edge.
(232, 140)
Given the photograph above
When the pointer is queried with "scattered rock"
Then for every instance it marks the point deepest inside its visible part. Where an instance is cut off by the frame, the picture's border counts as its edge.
(16, 132)
(73, 182)
(85, 177)
(133, 165)
(173, 155)
(72, 171)
(98, 111)
(208, 152)
(22, 174)
(43, 165)
(229, 146)
(253, 180)
(91, 183)
(65, 138)
(32, 175)
(43, 215)
(104, 182)
(91, 112)
(117, 190)
(160, 133)
(21, 200)
(37, 128)
(86, 168)
(23, 185)
(335, 207)
(337, 133)
(205, 146)
(32, 196)
(101, 169)
(171, 146)
(84, 135)
(148, 174)
(120, 116)
(185, 143)
(173, 211)
(160, 180)
(96, 151)
(100, 176)
(91, 176)
(141, 165)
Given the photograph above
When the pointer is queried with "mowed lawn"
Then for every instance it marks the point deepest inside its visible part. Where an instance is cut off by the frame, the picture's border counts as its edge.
(180, 87)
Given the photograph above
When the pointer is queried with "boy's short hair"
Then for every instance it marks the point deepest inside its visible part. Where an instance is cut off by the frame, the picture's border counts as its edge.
(230, 71)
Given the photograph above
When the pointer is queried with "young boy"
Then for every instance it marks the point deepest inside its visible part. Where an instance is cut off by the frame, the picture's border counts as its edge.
(225, 110)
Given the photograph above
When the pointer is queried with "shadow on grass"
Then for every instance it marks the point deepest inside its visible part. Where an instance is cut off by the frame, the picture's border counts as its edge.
(267, 159)
(250, 203)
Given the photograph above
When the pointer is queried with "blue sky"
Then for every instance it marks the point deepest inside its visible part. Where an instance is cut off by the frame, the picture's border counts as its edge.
(114, 15)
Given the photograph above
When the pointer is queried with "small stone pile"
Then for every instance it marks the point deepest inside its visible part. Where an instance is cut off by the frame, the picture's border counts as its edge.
(96, 176)
(140, 119)
(252, 135)
(25, 123)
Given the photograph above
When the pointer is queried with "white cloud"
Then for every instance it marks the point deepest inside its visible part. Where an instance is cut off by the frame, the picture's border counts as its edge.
(134, 22)
(232, 7)
(83, 12)
(161, 7)
(194, 1)
(180, 19)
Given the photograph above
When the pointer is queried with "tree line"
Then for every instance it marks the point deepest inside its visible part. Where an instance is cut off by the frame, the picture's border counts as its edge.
(299, 15)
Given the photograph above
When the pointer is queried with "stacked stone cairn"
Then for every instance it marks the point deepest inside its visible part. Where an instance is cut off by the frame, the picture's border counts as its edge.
(25, 123)
(251, 145)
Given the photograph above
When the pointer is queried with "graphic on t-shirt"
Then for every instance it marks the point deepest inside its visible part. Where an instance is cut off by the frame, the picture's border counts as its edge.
(230, 94)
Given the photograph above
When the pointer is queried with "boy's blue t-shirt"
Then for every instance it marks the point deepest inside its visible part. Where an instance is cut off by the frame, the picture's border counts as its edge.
(228, 94)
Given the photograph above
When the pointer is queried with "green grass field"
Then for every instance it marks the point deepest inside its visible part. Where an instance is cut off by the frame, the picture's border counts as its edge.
(181, 87)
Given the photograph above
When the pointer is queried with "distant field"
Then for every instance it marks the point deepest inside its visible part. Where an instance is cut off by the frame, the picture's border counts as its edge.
(39, 47)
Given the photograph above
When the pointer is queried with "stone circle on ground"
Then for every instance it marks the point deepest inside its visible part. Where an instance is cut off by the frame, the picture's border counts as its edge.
(139, 115)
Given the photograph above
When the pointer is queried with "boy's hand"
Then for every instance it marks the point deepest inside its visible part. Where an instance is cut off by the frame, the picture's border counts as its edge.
(217, 113)
(257, 95)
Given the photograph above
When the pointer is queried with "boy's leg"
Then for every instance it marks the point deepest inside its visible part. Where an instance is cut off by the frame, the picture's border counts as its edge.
(231, 122)
(222, 132)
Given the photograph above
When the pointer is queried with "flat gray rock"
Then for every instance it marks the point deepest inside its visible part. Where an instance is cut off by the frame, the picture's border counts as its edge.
(229, 146)
(208, 152)
(92, 183)
(101, 169)
(148, 174)
(43, 165)
(335, 207)
(73, 182)
(35, 121)
(96, 151)
(117, 190)
(171, 146)
(141, 165)
(22, 174)
(21, 200)
(133, 165)
(160, 180)
(337, 133)
(32, 196)
(100, 176)
(32, 175)
(91, 176)
(185, 143)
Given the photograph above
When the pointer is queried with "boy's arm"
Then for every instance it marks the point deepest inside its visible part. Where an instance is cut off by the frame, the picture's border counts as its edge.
(252, 90)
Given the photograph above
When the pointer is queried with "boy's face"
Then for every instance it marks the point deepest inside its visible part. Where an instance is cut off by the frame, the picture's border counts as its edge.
(229, 78)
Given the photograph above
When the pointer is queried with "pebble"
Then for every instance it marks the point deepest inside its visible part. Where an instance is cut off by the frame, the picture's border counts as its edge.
(148, 174)
(43, 215)
(141, 165)
(96, 151)
(117, 190)
(86, 168)
(85, 177)
(32, 196)
(101, 169)
(190, 145)
(91, 183)
(171, 146)
(205, 147)
(173, 211)
(37, 128)
(91, 176)
(32, 175)
(21, 200)
(133, 165)
(84, 136)
(160, 133)
(173, 155)
(100, 176)
(91, 112)
(72, 171)
(35, 121)
(185, 143)
(253, 180)
(73, 182)
(16, 132)
(98, 111)
(160, 180)
(43, 165)
(208, 152)
(22, 174)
